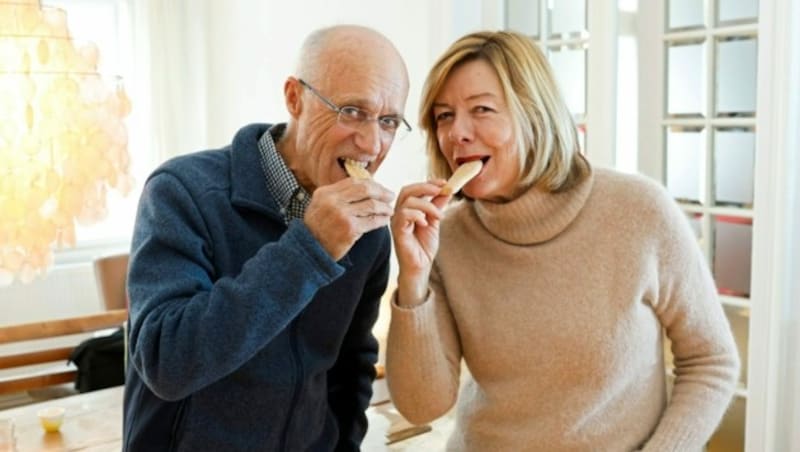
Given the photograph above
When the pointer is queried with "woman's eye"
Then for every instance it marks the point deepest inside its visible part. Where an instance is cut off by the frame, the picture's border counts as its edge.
(443, 116)
(482, 109)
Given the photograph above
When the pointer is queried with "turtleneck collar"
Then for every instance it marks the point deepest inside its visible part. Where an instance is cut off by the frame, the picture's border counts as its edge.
(535, 216)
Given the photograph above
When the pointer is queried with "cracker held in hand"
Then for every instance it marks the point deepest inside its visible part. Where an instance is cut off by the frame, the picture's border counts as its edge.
(355, 170)
(463, 174)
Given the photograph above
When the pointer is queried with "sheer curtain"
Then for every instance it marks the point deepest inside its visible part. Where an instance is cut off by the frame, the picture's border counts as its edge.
(171, 71)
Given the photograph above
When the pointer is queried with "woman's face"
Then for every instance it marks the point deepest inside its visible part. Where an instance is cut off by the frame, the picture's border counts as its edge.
(473, 122)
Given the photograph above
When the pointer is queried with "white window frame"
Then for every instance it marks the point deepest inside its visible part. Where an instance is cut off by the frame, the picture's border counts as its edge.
(601, 71)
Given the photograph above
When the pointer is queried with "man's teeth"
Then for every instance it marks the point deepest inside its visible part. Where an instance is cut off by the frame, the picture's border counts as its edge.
(356, 162)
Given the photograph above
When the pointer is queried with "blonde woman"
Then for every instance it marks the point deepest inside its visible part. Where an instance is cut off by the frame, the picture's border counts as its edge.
(553, 281)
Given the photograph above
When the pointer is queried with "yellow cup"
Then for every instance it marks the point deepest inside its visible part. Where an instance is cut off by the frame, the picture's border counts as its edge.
(51, 418)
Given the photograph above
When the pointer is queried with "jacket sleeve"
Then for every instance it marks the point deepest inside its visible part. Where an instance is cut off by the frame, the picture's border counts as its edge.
(423, 356)
(189, 327)
(706, 359)
(350, 380)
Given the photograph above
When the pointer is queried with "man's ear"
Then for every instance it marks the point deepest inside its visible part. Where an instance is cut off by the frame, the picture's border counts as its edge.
(292, 95)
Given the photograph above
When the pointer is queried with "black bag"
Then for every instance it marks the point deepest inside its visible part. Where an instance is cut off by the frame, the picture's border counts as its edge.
(100, 361)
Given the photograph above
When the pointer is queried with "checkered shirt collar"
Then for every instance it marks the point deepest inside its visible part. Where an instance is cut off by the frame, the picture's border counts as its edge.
(281, 182)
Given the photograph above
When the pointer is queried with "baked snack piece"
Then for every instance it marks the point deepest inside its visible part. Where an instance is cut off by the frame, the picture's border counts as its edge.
(463, 174)
(355, 170)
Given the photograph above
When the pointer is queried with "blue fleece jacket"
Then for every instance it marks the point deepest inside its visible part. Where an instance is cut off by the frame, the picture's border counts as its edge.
(244, 334)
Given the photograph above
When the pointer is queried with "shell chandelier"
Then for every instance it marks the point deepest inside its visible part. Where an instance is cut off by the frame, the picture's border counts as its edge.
(63, 141)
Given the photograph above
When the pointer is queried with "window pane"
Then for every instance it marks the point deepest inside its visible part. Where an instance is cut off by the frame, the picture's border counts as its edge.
(582, 138)
(696, 223)
(686, 14)
(733, 239)
(686, 94)
(730, 434)
(568, 17)
(737, 11)
(99, 23)
(736, 77)
(523, 16)
(734, 160)
(739, 318)
(686, 164)
(569, 66)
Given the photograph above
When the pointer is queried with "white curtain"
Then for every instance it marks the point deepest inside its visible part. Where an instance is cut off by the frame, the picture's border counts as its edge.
(170, 69)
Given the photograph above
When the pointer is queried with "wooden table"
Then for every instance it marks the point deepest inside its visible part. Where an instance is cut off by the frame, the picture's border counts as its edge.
(93, 422)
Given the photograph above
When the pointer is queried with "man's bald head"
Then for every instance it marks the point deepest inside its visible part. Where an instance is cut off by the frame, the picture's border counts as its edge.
(348, 49)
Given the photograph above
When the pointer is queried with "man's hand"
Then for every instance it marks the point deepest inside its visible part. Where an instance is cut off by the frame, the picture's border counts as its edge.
(340, 213)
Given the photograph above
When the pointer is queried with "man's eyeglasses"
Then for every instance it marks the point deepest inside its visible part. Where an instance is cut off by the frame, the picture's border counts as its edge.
(391, 126)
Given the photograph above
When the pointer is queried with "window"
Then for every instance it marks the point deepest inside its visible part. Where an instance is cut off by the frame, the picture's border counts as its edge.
(708, 141)
(561, 30)
(107, 24)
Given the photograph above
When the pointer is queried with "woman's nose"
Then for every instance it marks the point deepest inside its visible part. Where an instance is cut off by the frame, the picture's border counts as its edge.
(461, 130)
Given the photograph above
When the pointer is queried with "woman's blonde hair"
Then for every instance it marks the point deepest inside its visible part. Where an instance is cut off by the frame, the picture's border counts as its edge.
(546, 137)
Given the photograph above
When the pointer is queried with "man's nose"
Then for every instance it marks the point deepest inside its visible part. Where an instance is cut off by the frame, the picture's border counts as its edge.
(368, 137)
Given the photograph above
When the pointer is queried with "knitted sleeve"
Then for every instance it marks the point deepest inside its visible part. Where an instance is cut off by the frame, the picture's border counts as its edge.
(706, 359)
(423, 356)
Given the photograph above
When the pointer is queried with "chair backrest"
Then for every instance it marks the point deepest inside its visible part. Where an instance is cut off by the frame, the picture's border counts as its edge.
(111, 273)
(55, 374)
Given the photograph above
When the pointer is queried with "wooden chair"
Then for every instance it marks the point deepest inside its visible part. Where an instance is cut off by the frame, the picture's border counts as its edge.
(56, 372)
(111, 275)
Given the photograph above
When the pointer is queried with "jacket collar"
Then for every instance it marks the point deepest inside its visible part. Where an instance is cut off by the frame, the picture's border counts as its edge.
(248, 182)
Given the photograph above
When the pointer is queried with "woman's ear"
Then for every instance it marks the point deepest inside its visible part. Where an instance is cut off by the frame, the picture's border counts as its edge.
(292, 94)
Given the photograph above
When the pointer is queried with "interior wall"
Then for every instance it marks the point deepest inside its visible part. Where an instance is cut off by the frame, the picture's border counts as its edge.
(67, 291)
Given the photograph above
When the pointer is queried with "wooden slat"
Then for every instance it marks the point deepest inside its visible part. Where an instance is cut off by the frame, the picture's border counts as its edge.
(27, 379)
(26, 383)
(37, 357)
(62, 327)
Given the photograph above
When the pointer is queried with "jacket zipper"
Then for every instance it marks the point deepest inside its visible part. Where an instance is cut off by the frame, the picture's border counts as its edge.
(176, 425)
(298, 367)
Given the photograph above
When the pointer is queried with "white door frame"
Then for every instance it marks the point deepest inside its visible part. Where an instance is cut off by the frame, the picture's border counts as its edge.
(773, 407)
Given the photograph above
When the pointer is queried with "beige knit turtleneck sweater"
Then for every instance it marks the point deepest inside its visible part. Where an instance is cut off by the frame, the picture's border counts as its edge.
(557, 303)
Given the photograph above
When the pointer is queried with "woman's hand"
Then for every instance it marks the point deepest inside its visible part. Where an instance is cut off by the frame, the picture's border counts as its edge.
(415, 231)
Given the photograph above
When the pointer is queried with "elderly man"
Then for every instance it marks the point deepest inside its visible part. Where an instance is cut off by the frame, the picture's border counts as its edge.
(257, 269)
